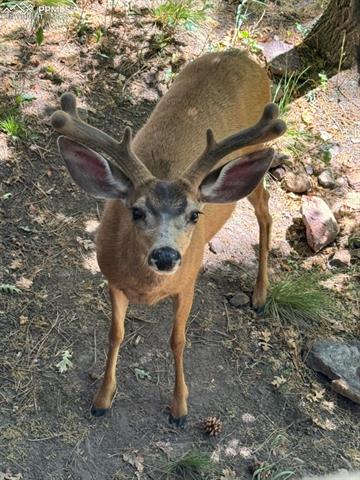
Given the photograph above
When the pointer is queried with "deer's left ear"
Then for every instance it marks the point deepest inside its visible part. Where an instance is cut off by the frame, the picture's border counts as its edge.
(236, 179)
(92, 172)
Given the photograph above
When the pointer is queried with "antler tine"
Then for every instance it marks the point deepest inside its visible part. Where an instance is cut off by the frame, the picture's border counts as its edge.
(67, 122)
(266, 129)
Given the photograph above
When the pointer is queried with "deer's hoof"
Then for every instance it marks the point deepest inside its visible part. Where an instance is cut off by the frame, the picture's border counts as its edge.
(179, 422)
(259, 309)
(98, 412)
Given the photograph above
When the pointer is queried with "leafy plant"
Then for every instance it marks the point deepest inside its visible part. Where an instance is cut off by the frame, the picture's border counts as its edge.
(326, 156)
(161, 40)
(39, 35)
(169, 75)
(98, 34)
(301, 29)
(323, 80)
(249, 42)
(173, 14)
(7, 288)
(300, 296)
(13, 127)
(65, 363)
(81, 24)
(142, 374)
(52, 74)
(24, 97)
(50, 69)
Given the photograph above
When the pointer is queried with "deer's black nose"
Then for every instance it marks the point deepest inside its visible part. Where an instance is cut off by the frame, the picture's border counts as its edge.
(164, 258)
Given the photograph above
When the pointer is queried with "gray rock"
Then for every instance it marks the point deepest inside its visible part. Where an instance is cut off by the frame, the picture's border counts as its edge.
(297, 182)
(355, 254)
(341, 182)
(118, 62)
(341, 363)
(354, 241)
(354, 180)
(278, 173)
(341, 258)
(326, 179)
(309, 169)
(320, 223)
(274, 48)
(216, 246)
(240, 299)
(280, 159)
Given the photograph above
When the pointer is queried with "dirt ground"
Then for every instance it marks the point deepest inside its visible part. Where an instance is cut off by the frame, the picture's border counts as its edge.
(233, 357)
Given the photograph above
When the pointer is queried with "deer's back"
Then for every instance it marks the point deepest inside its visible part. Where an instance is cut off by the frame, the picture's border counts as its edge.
(224, 91)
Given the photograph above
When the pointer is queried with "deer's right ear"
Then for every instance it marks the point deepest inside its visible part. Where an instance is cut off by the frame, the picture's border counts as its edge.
(92, 172)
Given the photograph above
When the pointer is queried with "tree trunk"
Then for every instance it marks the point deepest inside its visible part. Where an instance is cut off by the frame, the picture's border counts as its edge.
(332, 44)
(336, 35)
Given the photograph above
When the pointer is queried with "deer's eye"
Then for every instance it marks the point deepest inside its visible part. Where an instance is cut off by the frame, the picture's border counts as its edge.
(138, 214)
(194, 216)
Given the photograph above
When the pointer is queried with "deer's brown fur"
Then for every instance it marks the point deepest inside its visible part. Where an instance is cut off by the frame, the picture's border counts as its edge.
(226, 92)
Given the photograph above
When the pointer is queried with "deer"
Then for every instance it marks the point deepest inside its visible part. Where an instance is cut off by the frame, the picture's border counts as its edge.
(169, 190)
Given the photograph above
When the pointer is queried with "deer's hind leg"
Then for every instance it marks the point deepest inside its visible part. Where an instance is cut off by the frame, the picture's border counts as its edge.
(259, 199)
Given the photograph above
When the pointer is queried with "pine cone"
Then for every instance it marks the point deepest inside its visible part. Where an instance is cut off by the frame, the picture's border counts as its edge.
(212, 426)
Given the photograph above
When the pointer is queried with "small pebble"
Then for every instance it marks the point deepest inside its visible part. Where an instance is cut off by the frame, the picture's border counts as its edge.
(341, 258)
(278, 173)
(326, 179)
(239, 300)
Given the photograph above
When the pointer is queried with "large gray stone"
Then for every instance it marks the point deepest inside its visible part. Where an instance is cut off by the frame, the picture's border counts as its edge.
(341, 363)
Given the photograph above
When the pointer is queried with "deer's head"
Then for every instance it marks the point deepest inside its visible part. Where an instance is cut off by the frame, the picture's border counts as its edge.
(163, 213)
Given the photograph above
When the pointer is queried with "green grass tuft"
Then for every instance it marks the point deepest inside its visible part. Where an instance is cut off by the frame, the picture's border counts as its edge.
(266, 472)
(297, 142)
(288, 88)
(13, 127)
(301, 297)
(7, 288)
(175, 13)
(193, 465)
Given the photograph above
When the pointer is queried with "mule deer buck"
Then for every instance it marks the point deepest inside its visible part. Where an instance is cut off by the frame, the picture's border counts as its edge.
(171, 188)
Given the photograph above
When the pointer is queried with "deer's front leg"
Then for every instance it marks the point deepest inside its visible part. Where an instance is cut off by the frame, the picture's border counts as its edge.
(182, 307)
(259, 199)
(103, 398)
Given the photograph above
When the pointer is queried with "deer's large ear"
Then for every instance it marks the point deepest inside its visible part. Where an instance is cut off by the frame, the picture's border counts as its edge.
(237, 178)
(92, 172)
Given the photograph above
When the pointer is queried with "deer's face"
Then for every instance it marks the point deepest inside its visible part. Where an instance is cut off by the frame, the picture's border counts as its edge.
(164, 215)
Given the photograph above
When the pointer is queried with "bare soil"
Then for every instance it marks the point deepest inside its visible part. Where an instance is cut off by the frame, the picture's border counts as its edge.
(234, 359)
